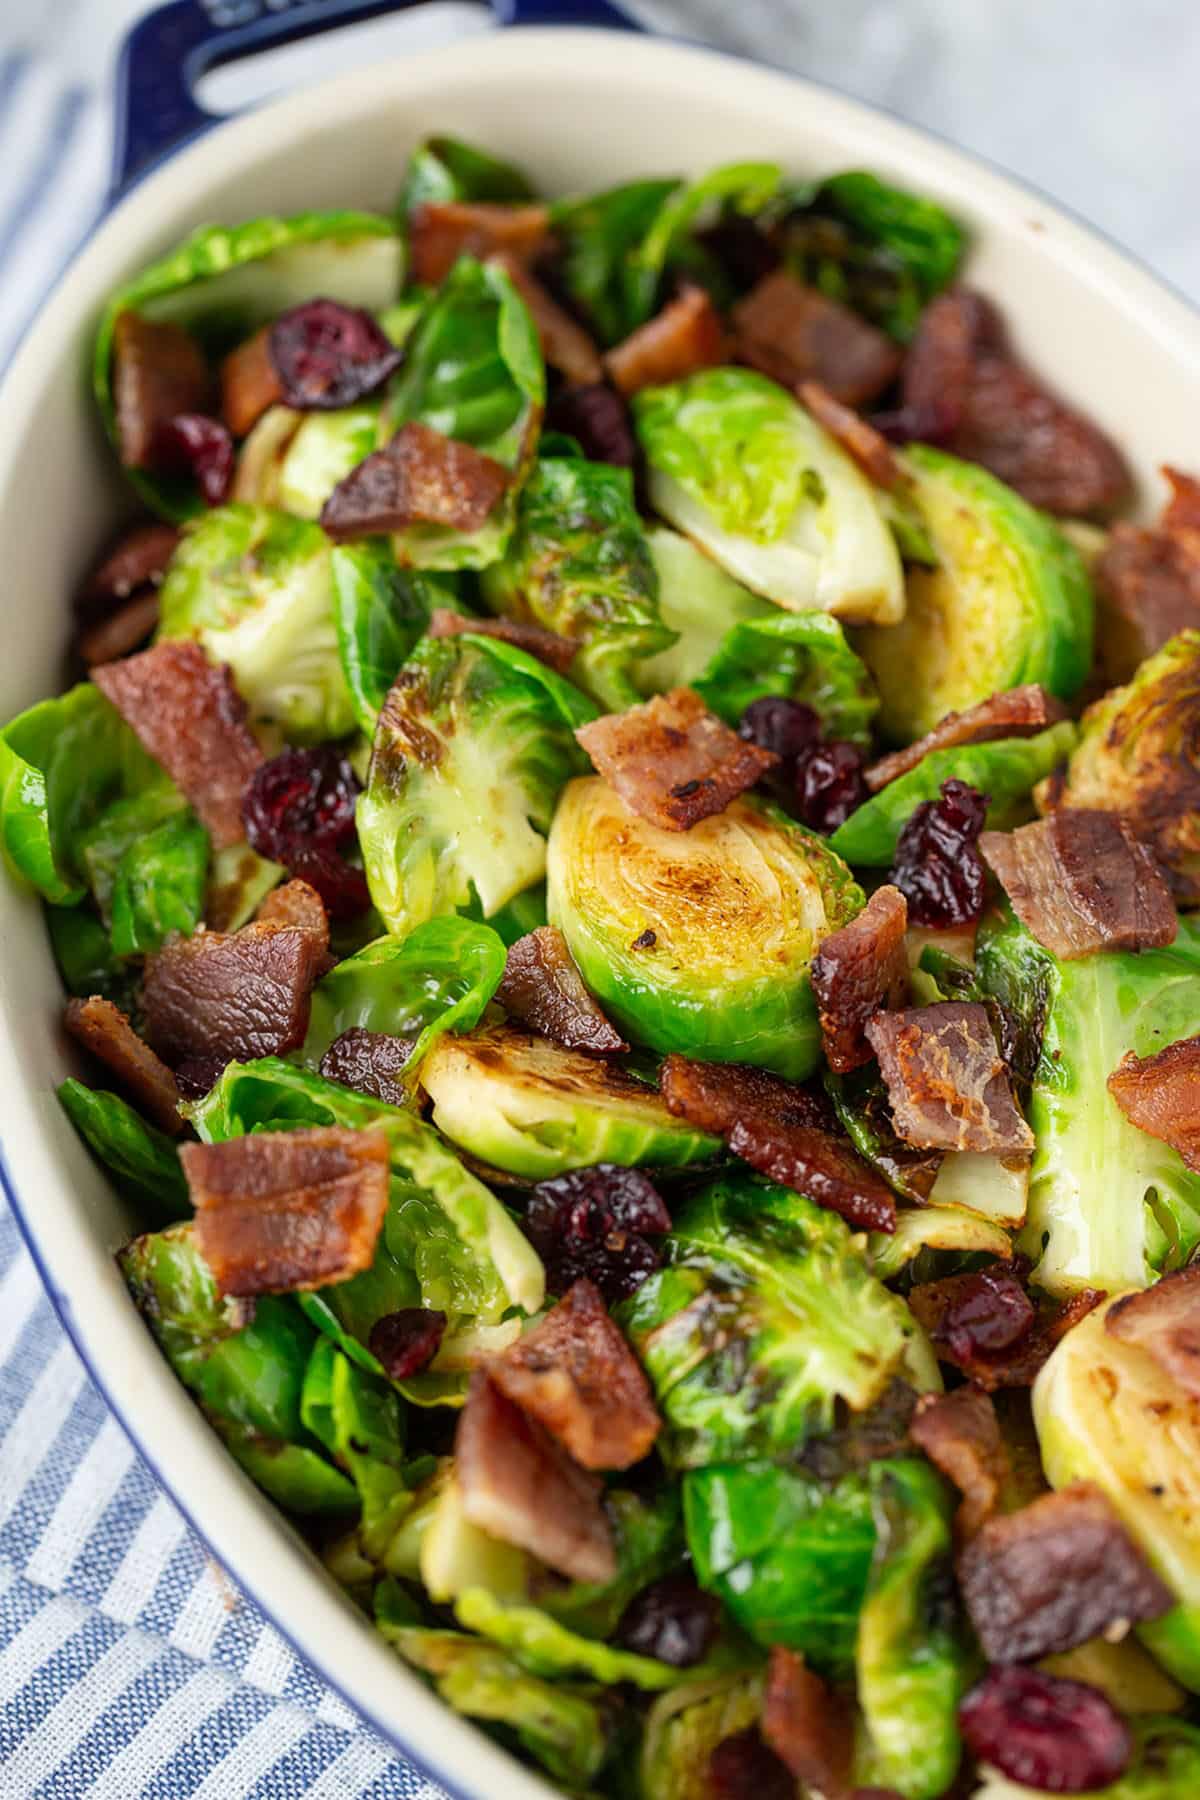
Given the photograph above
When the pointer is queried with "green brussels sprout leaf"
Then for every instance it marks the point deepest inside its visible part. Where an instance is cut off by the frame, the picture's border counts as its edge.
(380, 611)
(442, 169)
(142, 1160)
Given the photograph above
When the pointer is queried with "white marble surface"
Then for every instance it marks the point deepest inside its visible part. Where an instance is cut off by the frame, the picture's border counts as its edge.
(1093, 100)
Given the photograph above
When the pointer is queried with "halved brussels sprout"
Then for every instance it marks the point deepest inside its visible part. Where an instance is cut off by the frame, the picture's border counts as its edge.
(637, 907)
(525, 1105)
(738, 464)
(473, 744)
(1009, 602)
(684, 1727)
(921, 1228)
(381, 612)
(321, 452)
(223, 282)
(995, 1187)
(254, 587)
(1106, 1412)
(699, 601)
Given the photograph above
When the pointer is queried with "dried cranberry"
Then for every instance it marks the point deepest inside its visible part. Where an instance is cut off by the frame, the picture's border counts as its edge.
(673, 1620)
(989, 1313)
(744, 1767)
(341, 885)
(597, 416)
(830, 785)
(406, 1342)
(597, 1223)
(784, 726)
(744, 252)
(300, 798)
(938, 867)
(327, 355)
(193, 444)
(1062, 1737)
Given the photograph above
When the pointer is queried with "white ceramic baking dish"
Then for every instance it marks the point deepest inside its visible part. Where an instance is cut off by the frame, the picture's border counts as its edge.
(579, 108)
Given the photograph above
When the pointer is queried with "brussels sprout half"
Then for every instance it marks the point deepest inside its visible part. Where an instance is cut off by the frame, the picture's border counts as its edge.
(738, 464)
(523, 1104)
(1008, 602)
(637, 907)
(1106, 1412)
(684, 1727)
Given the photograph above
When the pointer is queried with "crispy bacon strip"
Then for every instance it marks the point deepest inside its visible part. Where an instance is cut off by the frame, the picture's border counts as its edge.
(960, 1434)
(543, 988)
(566, 346)
(249, 383)
(808, 1726)
(159, 371)
(685, 336)
(1082, 882)
(857, 971)
(1147, 581)
(443, 230)
(231, 997)
(575, 1374)
(1060, 1571)
(947, 1083)
(1018, 712)
(869, 448)
(672, 761)
(105, 1030)
(421, 477)
(122, 631)
(278, 1211)
(188, 714)
(520, 1486)
(1161, 1095)
(783, 1131)
(558, 653)
(296, 903)
(960, 366)
(1017, 1365)
(1164, 1320)
(794, 333)
(371, 1062)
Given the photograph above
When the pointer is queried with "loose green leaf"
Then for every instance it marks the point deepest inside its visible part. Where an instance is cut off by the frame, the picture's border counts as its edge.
(802, 656)
(601, 235)
(544, 1647)
(442, 169)
(143, 1161)
(160, 886)
(380, 611)
(746, 187)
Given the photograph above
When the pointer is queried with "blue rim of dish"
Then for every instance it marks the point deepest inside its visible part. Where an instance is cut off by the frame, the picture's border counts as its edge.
(59, 1302)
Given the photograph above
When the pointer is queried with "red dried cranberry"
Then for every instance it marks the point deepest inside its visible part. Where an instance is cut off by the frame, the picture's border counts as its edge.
(784, 726)
(830, 785)
(300, 798)
(597, 416)
(938, 867)
(990, 1312)
(673, 1620)
(744, 1767)
(193, 444)
(1062, 1737)
(341, 885)
(406, 1342)
(597, 1223)
(327, 355)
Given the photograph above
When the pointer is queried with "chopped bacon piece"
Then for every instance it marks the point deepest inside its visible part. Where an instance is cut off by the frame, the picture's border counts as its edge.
(1017, 712)
(869, 448)
(188, 714)
(947, 1083)
(1058, 1572)
(543, 988)
(795, 333)
(1081, 881)
(784, 1131)
(105, 1030)
(1147, 582)
(672, 761)
(441, 231)
(249, 383)
(522, 1487)
(685, 336)
(857, 971)
(558, 653)
(122, 631)
(1003, 416)
(138, 559)
(575, 1374)
(281, 1210)
(566, 346)
(371, 1062)
(960, 1434)
(234, 997)
(1017, 1351)
(159, 371)
(1164, 1320)
(808, 1726)
(296, 903)
(421, 477)
(1161, 1095)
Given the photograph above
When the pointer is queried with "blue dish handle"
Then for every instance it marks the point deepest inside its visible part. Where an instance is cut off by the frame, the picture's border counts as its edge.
(168, 51)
